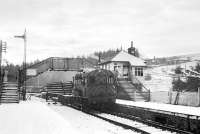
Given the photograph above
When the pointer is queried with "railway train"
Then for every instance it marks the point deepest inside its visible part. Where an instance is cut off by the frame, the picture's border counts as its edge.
(98, 86)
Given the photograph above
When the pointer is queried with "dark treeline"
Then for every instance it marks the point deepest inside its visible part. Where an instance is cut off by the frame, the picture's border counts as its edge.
(106, 54)
(13, 70)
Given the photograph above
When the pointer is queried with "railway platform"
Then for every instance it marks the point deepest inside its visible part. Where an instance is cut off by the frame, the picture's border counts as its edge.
(32, 117)
(185, 118)
(179, 109)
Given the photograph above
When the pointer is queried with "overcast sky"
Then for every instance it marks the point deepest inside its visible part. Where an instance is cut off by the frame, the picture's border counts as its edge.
(68, 28)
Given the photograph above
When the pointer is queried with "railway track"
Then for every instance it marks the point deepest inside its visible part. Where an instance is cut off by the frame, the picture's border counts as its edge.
(132, 125)
(161, 128)
(135, 124)
(150, 123)
(126, 126)
(129, 124)
(123, 125)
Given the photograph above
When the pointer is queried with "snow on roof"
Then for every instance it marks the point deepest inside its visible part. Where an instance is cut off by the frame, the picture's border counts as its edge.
(124, 56)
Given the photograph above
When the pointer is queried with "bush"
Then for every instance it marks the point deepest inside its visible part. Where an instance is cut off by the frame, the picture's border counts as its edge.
(178, 70)
(193, 83)
(178, 85)
(197, 68)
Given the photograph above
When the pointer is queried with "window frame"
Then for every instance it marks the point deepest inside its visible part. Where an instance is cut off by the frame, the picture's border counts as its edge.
(139, 71)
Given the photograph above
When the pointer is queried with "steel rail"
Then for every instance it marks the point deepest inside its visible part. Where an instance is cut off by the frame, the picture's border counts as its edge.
(87, 110)
(151, 123)
(135, 129)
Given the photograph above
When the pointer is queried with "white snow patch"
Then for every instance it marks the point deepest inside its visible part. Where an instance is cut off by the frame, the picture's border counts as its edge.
(161, 80)
(32, 117)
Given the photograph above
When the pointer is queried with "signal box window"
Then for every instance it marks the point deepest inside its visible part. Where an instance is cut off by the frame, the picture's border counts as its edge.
(138, 71)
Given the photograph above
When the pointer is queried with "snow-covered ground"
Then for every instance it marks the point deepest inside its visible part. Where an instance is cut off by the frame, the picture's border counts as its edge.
(165, 107)
(161, 79)
(38, 117)
(32, 117)
(161, 76)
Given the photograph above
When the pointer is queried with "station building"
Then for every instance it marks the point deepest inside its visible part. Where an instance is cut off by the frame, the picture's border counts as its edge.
(126, 64)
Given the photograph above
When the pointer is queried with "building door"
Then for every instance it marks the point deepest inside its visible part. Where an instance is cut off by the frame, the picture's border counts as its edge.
(115, 68)
(125, 71)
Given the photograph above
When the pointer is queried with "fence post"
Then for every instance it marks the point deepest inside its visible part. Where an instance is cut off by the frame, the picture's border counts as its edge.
(199, 96)
(149, 97)
(170, 96)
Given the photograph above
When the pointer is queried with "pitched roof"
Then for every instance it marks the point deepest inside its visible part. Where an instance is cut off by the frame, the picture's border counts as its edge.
(124, 56)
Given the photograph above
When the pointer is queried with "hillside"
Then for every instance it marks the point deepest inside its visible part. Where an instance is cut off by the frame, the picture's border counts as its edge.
(174, 59)
(192, 57)
(162, 76)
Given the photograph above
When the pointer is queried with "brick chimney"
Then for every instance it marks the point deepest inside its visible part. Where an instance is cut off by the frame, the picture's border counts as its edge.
(132, 50)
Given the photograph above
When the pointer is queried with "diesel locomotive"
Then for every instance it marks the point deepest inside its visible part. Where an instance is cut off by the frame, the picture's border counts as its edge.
(98, 86)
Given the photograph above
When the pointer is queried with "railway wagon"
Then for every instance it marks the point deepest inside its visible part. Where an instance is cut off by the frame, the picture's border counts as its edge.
(98, 86)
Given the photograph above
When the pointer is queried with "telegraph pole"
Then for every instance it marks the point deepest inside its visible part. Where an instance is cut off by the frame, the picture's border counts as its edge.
(2, 49)
(0, 69)
(24, 63)
(3, 46)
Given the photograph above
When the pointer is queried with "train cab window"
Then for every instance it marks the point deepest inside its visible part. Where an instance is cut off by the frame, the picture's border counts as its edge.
(83, 81)
(108, 80)
(79, 81)
(111, 80)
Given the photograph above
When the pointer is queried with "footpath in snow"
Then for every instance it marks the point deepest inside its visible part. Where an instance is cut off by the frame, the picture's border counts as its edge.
(164, 107)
